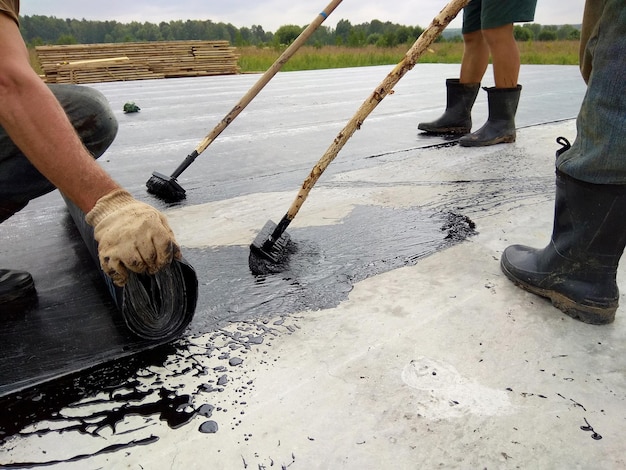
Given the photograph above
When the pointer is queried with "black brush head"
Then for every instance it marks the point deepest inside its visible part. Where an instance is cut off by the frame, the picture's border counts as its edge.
(165, 187)
(266, 254)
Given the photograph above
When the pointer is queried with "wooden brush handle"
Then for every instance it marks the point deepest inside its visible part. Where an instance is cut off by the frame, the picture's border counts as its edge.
(439, 23)
(267, 76)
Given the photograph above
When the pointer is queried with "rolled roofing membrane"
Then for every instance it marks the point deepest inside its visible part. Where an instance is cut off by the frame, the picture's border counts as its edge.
(154, 307)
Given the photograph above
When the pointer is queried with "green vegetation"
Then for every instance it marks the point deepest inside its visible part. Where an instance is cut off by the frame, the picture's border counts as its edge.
(39, 30)
(347, 45)
(254, 59)
(257, 59)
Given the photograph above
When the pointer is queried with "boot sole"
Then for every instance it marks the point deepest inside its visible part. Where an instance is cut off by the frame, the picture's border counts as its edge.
(585, 313)
(487, 143)
(449, 131)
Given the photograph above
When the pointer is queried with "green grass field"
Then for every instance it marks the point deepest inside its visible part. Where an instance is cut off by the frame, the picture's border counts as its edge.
(254, 59)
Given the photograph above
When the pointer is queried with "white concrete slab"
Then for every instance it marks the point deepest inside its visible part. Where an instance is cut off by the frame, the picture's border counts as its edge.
(444, 364)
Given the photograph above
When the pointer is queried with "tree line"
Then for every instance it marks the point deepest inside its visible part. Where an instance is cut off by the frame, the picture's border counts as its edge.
(48, 30)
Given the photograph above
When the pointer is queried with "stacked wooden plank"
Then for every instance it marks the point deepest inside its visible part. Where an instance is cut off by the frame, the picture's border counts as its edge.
(91, 63)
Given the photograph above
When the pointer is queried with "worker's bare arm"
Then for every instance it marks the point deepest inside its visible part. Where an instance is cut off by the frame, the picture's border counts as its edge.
(36, 122)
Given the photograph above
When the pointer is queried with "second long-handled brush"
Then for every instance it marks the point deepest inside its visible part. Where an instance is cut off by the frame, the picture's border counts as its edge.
(270, 245)
(166, 187)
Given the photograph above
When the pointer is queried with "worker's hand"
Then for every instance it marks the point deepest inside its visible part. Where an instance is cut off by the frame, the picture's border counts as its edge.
(131, 236)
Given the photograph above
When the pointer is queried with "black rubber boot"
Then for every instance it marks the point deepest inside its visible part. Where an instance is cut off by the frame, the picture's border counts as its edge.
(457, 118)
(577, 270)
(500, 126)
(15, 286)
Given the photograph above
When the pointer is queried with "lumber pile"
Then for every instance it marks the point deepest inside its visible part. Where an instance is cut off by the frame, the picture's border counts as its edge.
(92, 63)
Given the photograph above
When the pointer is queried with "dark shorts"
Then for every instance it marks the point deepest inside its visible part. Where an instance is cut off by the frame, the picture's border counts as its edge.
(486, 14)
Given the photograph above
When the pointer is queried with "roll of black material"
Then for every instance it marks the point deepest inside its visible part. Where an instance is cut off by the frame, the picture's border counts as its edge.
(154, 307)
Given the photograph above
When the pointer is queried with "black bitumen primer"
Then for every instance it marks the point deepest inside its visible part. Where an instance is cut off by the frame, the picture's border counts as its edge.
(323, 265)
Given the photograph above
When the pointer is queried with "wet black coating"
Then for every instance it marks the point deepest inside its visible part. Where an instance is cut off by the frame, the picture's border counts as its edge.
(322, 264)
(165, 187)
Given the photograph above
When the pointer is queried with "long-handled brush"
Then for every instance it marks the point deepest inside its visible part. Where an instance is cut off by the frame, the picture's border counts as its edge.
(271, 242)
(166, 187)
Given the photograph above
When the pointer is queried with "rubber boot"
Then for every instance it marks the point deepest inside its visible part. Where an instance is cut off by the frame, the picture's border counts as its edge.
(457, 118)
(500, 126)
(577, 270)
(15, 286)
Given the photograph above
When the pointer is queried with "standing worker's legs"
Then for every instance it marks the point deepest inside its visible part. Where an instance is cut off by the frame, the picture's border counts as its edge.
(475, 57)
(461, 92)
(496, 25)
(578, 268)
(504, 54)
(487, 29)
(20, 181)
(497, 18)
(504, 97)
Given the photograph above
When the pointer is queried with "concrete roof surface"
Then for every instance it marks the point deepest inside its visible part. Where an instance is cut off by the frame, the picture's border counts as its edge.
(440, 362)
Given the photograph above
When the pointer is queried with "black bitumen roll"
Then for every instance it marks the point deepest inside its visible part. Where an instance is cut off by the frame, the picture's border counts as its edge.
(154, 307)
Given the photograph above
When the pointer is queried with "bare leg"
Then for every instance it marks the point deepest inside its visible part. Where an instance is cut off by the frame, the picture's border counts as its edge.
(475, 57)
(505, 55)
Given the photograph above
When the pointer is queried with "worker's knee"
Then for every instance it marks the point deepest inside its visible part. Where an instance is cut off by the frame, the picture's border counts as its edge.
(502, 36)
(89, 112)
(94, 121)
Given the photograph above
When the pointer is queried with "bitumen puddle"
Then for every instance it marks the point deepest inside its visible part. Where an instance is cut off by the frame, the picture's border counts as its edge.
(323, 263)
(131, 402)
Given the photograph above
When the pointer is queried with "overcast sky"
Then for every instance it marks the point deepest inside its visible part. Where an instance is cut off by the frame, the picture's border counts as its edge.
(271, 14)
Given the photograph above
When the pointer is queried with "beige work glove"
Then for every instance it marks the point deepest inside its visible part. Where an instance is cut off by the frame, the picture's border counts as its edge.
(131, 236)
